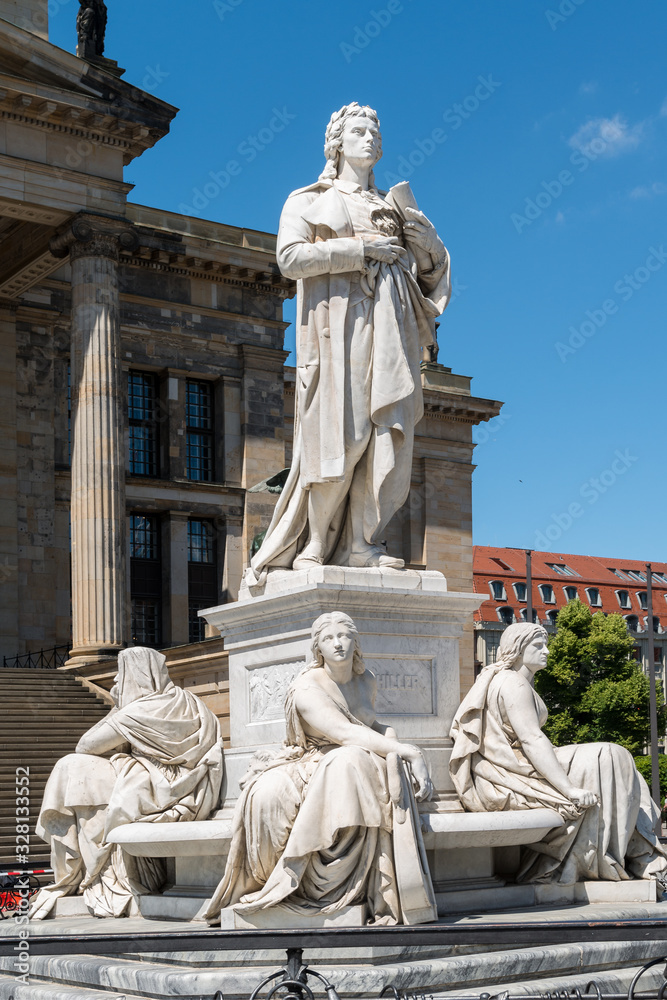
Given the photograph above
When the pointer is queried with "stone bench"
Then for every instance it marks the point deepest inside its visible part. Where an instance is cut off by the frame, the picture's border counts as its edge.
(471, 857)
(441, 831)
(461, 849)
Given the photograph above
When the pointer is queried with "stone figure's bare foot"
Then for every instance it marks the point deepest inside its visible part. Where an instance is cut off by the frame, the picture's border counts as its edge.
(375, 556)
(309, 557)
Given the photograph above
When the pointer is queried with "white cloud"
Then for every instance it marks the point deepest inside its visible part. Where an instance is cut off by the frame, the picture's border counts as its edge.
(607, 136)
(649, 190)
(588, 87)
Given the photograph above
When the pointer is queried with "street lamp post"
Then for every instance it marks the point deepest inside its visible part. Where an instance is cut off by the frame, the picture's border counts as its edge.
(655, 764)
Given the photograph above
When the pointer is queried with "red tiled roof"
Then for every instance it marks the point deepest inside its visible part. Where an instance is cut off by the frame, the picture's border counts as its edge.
(509, 566)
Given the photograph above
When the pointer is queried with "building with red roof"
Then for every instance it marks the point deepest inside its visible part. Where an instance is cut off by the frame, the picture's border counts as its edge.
(610, 585)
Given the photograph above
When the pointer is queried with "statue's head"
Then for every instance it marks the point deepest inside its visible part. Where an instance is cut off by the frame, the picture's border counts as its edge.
(141, 671)
(354, 131)
(515, 643)
(335, 620)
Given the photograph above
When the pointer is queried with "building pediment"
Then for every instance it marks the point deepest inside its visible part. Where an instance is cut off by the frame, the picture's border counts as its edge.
(45, 86)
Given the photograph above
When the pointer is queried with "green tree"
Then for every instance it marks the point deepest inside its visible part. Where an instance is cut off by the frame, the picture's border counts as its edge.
(593, 688)
(644, 768)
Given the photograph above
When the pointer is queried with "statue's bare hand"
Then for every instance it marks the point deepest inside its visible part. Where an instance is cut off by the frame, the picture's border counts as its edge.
(421, 232)
(424, 789)
(583, 798)
(386, 249)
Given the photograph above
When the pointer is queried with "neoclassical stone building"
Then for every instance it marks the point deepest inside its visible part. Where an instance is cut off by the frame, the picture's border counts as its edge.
(143, 387)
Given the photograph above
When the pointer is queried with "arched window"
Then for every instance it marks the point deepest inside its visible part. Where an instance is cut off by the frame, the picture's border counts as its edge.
(642, 597)
(506, 615)
(521, 590)
(632, 622)
(551, 616)
(498, 590)
(570, 593)
(524, 615)
(547, 592)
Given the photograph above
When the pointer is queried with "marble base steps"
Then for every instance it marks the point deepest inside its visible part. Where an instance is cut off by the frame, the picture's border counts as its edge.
(45, 712)
(355, 973)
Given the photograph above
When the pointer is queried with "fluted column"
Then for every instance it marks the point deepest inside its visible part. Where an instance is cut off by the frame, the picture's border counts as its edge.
(99, 617)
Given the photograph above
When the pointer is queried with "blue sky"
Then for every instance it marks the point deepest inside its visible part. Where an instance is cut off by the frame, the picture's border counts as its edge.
(534, 136)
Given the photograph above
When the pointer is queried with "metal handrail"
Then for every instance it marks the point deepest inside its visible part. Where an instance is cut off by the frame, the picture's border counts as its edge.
(42, 659)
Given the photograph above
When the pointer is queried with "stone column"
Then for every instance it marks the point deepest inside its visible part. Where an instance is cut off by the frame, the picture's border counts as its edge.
(175, 570)
(98, 450)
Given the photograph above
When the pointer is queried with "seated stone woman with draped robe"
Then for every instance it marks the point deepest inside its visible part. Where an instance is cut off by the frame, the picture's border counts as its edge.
(168, 769)
(330, 820)
(502, 760)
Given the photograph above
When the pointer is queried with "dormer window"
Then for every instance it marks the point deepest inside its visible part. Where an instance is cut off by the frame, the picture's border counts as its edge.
(547, 592)
(570, 593)
(498, 590)
(623, 598)
(643, 599)
(505, 615)
(562, 569)
(521, 590)
(593, 595)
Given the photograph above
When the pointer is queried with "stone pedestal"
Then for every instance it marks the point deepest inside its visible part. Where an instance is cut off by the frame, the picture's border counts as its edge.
(409, 625)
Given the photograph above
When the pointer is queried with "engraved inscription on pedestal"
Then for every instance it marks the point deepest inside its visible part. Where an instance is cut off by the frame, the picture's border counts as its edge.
(405, 686)
(267, 687)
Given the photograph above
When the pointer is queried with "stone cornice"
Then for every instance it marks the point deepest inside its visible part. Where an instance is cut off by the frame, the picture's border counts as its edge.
(46, 87)
(443, 405)
(264, 279)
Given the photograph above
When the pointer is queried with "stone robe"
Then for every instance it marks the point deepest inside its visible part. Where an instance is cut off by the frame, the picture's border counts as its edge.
(171, 771)
(320, 827)
(613, 840)
(361, 327)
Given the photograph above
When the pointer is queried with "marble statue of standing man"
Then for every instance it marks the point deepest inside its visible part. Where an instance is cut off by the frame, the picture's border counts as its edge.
(372, 276)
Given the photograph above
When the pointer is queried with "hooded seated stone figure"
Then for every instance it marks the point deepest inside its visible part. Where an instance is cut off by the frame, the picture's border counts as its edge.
(502, 760)
(166, 766)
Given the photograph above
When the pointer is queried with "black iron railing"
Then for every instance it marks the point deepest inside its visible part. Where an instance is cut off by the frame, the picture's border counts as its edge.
(43, 659)
(291, 982)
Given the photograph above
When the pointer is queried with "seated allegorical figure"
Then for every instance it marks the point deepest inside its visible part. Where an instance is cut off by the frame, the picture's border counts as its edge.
(167, 767)
(502, 760)
(330, 821)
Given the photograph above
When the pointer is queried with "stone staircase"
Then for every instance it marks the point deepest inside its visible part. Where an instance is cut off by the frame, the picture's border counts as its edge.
(45, 712)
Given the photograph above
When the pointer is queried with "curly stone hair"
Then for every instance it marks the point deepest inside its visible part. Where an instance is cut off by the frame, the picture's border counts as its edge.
(333, 139)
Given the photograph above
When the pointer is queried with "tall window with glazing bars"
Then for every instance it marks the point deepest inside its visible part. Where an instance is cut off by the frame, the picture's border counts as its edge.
(202, 576)
(145, 580)
(199, 424)
(143, 428)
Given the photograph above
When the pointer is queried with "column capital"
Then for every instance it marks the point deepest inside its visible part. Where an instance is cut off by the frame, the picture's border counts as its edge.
(94, 236)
